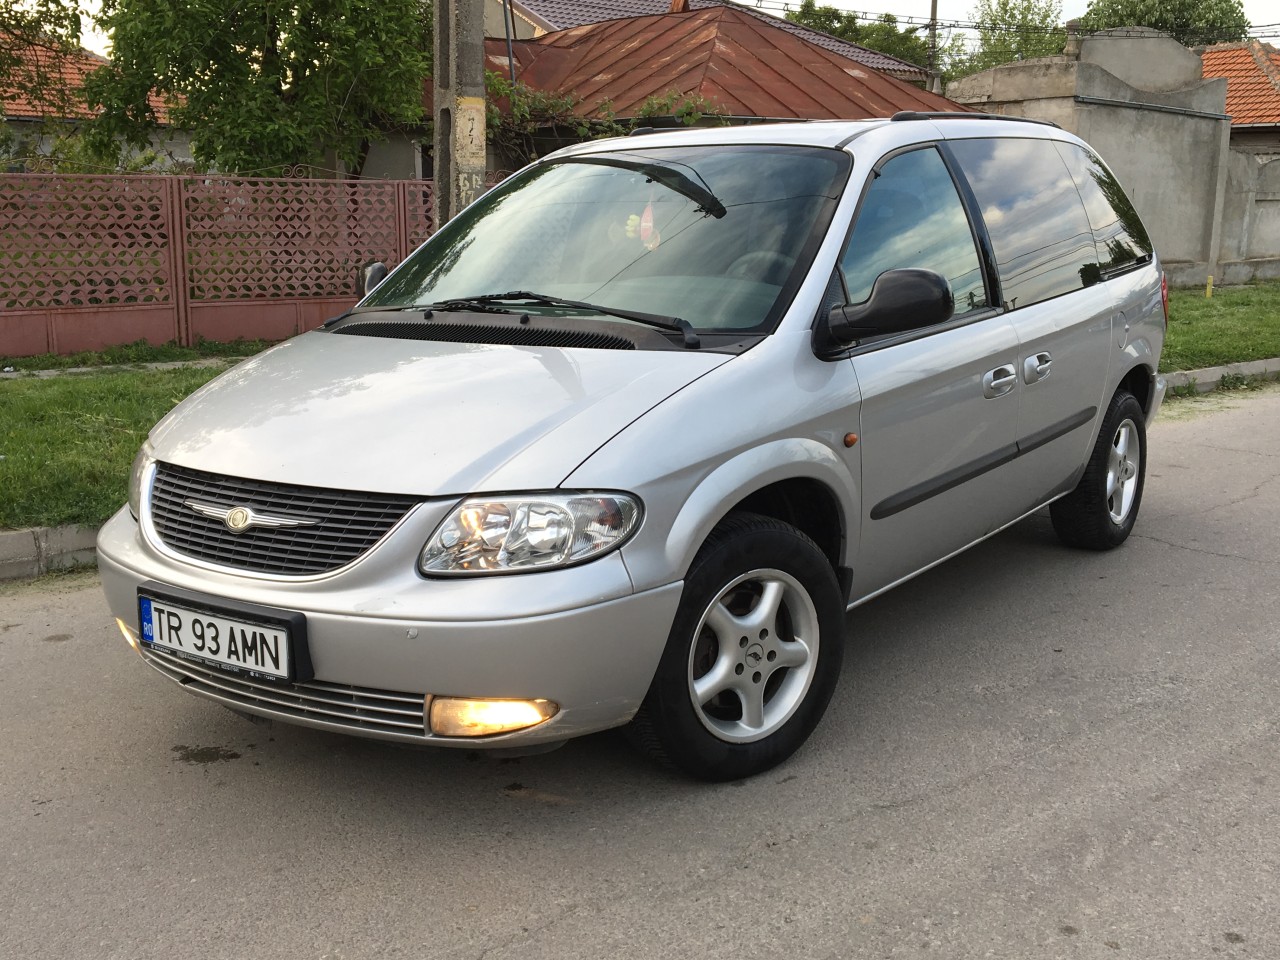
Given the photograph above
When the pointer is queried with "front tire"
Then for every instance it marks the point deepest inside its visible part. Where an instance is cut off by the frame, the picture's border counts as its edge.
(1100, 512)
(753, 655)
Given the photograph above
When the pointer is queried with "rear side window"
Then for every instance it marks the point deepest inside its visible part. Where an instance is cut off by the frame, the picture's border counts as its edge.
(1040, 234)
(912, 216)
(1121, 238)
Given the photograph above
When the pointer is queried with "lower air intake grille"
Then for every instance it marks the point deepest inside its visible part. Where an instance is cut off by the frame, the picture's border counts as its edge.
(333, 527)
(384, 714)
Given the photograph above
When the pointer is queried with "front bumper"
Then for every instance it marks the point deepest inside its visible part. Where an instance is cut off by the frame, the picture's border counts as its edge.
(382, 639)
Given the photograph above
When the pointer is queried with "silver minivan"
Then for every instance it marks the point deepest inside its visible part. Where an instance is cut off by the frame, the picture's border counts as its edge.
(624, 441)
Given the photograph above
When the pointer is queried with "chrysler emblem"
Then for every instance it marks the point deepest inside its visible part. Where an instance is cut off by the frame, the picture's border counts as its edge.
(238, 519)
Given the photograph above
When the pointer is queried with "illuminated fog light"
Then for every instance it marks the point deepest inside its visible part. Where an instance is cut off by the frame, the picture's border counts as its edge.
(455, 717)
(129, 635)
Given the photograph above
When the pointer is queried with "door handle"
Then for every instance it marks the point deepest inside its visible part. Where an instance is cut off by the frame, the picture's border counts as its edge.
(1036, 367)
(998, 382)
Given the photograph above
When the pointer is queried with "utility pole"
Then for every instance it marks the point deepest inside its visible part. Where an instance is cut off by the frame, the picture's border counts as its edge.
(459, 105)
(933, 47)
(933, 35)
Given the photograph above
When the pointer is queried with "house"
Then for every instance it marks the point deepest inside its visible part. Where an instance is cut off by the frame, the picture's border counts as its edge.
(33, 119)
(532, 18)
(1252, 72)
(750, 68)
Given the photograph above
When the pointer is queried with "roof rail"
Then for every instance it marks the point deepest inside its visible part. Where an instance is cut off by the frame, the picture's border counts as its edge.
(965, 115)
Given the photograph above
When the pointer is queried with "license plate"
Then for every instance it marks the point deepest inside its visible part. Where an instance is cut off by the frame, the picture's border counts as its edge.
(212, 636)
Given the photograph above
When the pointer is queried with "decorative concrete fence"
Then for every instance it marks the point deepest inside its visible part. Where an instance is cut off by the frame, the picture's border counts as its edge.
(87, 261)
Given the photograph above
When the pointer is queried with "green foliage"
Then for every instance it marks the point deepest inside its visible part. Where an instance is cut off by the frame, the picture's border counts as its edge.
(1009, 30)
(882, 33)
(687, 109)
(1190, 22)
(523, 124)
(262, 84)
(33, 35)
(60, 147)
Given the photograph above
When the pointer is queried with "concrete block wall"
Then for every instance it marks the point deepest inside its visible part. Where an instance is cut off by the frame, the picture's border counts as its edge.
(1139, 98)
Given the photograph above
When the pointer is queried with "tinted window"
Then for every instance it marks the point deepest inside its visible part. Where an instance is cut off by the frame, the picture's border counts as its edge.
(1122, 241)
(709, 234)
(912, 216)
(1041, 237)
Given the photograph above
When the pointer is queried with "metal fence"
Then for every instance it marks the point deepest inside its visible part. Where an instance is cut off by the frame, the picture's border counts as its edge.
(87, 261)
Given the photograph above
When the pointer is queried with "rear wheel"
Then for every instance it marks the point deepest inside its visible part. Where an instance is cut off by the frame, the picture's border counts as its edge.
(1099, 514)
(753, 655)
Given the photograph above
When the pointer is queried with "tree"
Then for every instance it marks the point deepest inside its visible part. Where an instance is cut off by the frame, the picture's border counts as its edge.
(882, 34)
(262, 84)
(34, 34)
(1190, 22)
(1010, 30)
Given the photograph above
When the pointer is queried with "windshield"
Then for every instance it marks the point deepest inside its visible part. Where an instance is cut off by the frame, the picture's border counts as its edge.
(717, 236)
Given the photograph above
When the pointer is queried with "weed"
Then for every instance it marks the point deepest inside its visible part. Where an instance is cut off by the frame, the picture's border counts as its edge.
(1240, 381)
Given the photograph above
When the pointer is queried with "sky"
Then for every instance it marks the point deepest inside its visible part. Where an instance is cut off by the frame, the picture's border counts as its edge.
(1259, 12)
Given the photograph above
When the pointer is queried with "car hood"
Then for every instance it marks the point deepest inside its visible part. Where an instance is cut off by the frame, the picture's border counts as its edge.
(420, 418)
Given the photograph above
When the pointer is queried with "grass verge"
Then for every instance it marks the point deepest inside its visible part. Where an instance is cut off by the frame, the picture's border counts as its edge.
(67, 442)
(1235, 325)
(137, 352)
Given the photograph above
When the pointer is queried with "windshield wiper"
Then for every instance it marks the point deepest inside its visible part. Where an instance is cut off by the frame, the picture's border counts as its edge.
(707, 201)
(484, 303)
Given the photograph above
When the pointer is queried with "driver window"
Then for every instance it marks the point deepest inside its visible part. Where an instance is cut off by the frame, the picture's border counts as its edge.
(912, 216)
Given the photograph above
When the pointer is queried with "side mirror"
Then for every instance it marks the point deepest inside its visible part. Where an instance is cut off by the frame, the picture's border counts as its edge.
(900, 301)
(371, 274)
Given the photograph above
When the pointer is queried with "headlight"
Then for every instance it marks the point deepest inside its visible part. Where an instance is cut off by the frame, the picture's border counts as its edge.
(137, 475)
(530, 532)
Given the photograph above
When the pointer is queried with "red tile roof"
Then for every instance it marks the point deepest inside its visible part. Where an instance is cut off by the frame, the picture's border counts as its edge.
(576, 13)
(66, 71)
(744, 65)
(1252, 71)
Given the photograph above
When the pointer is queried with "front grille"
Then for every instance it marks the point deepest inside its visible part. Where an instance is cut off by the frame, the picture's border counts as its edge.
(380, 713)
(346, 524)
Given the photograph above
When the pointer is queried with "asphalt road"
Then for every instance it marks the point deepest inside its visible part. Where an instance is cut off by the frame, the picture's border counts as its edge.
(1034, 753)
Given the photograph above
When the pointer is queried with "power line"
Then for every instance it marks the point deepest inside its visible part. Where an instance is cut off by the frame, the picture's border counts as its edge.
(1256, 31)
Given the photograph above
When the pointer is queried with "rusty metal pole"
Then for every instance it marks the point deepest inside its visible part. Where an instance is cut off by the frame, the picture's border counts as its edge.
(459, 105)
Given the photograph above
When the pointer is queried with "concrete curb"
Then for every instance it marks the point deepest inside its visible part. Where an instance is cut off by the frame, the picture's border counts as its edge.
(116, 368)
(37, 551)
(1207, 379)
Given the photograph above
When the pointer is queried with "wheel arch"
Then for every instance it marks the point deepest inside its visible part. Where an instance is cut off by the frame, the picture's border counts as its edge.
(1138, 359)
(798, 481)
(1140, 381)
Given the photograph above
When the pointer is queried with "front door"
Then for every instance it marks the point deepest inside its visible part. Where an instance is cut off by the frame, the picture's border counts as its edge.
(939, 412)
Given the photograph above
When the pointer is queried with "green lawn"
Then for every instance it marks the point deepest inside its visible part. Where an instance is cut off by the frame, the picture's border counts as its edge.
(1236, 324)
(67, 442)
